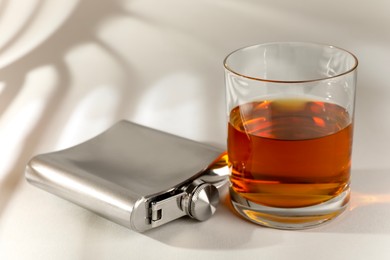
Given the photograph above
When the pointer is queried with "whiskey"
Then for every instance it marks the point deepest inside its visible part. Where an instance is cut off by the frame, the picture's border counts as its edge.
(289, 153)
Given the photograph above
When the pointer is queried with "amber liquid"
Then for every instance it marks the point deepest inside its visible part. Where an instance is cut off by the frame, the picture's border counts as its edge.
(289, 153)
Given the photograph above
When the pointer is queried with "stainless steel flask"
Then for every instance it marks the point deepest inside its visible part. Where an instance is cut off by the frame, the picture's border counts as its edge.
(135, 176)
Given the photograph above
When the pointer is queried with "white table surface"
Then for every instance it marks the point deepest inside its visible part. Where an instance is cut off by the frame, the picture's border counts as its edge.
(71, 68)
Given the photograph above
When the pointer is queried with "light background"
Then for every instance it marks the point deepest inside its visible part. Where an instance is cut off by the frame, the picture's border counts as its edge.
(71, 68)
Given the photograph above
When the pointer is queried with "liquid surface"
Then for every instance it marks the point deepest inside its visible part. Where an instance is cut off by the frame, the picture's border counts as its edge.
(289, 153)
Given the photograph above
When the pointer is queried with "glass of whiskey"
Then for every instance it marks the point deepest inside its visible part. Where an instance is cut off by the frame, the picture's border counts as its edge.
(290, 108)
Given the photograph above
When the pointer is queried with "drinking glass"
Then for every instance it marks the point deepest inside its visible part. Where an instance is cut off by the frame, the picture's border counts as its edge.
(290, 108)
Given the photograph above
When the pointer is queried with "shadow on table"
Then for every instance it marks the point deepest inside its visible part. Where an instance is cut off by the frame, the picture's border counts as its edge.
(80, 28)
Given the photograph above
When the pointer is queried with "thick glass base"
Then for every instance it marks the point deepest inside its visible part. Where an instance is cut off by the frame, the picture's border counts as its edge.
(290, 218)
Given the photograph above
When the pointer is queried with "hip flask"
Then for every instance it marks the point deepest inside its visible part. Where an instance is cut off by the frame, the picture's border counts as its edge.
(135, 176)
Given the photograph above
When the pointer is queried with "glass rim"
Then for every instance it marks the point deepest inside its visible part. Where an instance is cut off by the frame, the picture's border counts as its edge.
(355, 65)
